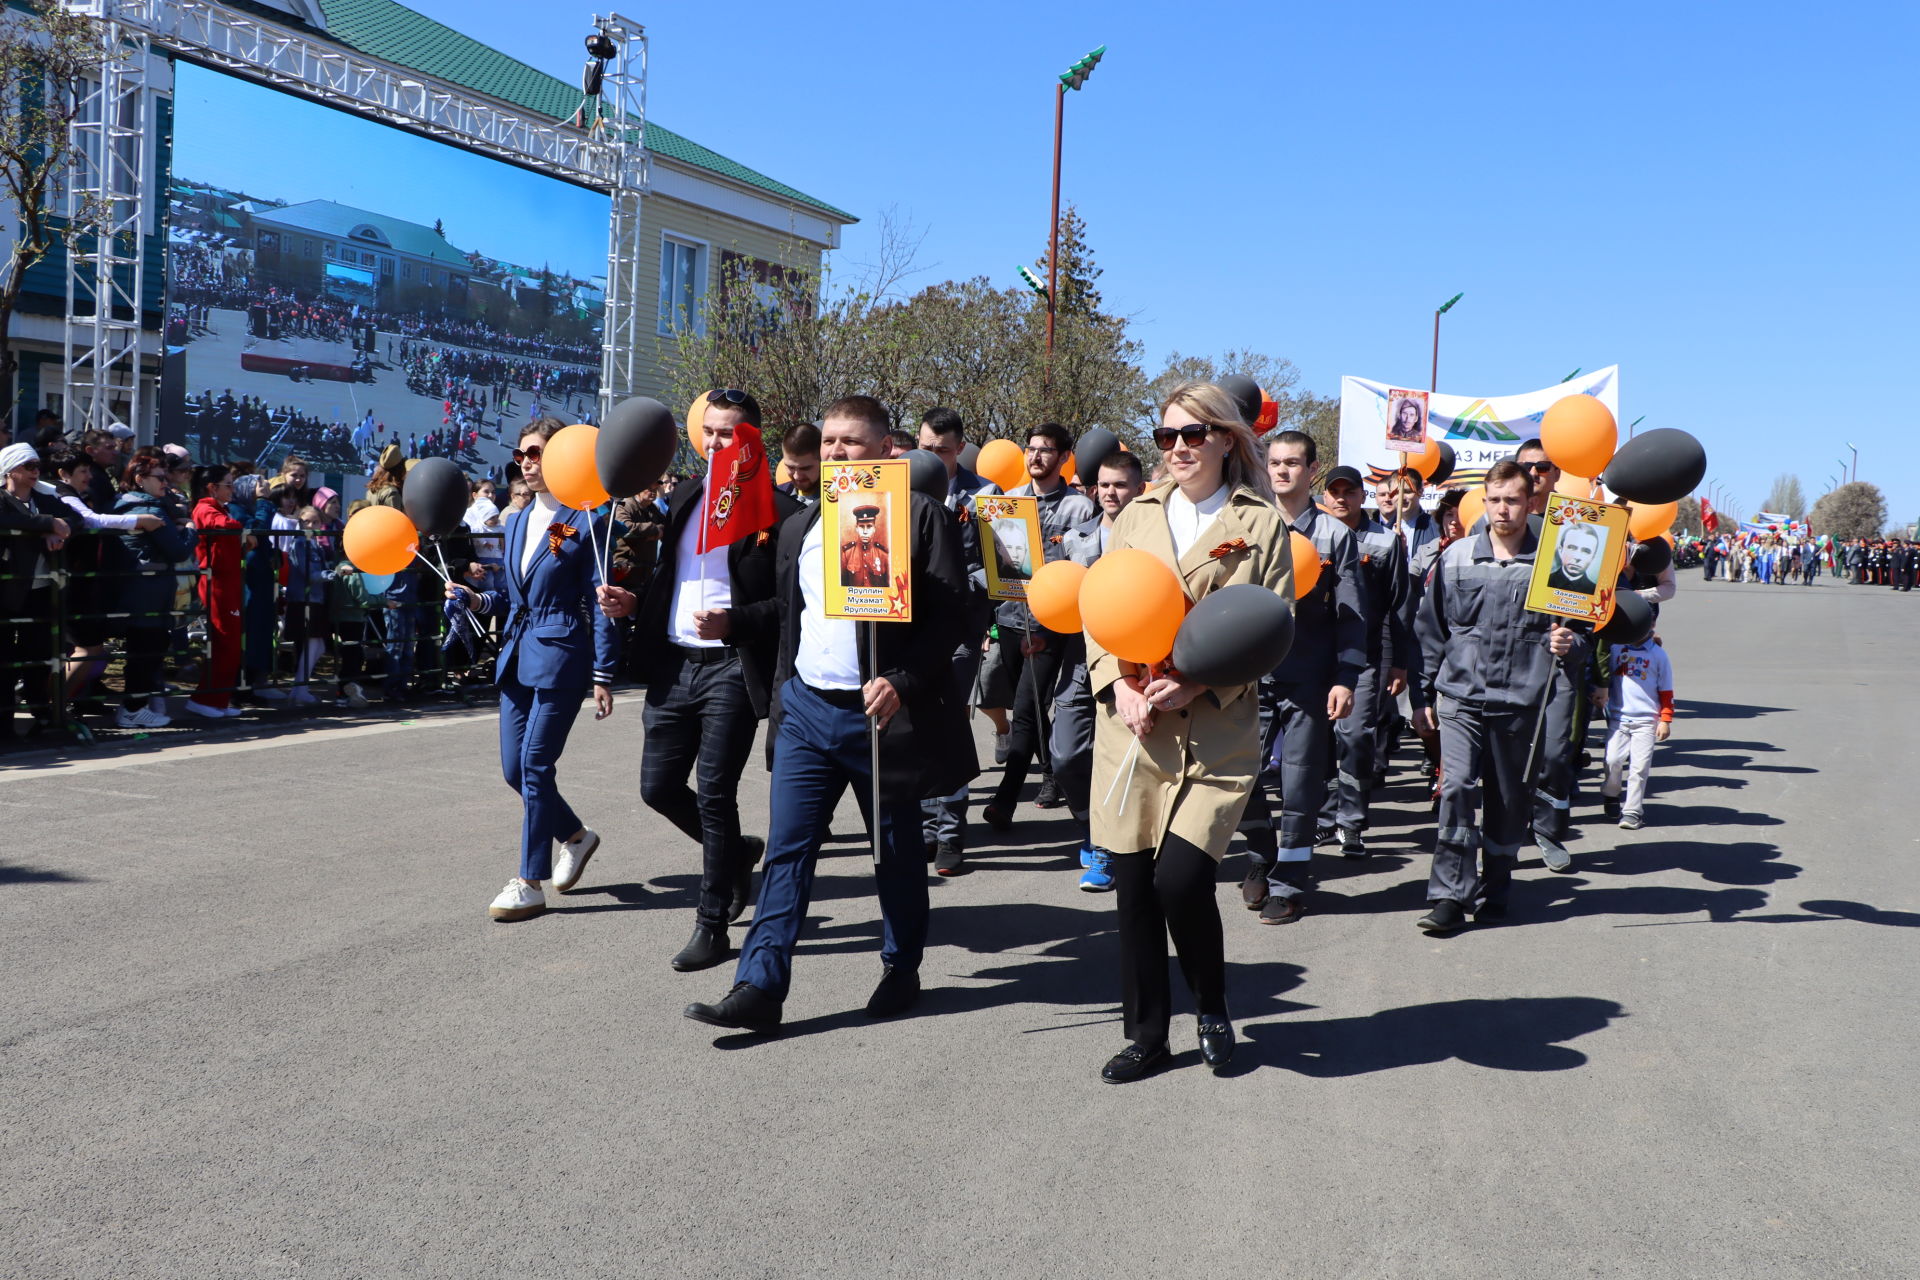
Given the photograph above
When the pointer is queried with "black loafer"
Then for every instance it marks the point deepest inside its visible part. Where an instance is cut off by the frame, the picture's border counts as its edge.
(1135, 1062)
(898, 990)
(705, 949)
(1253, 888)
(1446, 917)
(997, 818)
(1490, 913)
(746, 1008)
(1216, 1043)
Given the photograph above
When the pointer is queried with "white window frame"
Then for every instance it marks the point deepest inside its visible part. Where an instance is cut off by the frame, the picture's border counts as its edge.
(702, 268)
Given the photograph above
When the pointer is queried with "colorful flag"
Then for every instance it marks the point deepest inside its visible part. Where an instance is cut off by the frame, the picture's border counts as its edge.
(739, 499)
(1709, 518)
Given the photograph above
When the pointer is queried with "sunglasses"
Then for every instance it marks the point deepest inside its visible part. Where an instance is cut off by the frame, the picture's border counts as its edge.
(1538, 466)
(527, 455)
(1195, 435)
(728, 394)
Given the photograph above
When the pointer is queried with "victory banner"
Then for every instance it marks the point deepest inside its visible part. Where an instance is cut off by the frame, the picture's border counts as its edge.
(1481, 429)
(1012, 549)
(868, 526)
(1577, 566)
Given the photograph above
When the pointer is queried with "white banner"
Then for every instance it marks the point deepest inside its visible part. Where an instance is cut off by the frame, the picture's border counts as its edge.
(1482, 430)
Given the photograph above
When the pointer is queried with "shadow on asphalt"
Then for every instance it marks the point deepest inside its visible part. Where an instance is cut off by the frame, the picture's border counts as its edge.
(1523, 1033)
(1727, 711)
(11, 874)
(1748, 863)
(1860, 912)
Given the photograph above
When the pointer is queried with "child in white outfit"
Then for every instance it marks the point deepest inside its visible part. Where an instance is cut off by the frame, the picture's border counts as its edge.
(1640, 704)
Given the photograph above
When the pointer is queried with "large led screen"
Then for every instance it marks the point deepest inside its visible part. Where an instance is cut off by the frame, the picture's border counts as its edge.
(336, 286)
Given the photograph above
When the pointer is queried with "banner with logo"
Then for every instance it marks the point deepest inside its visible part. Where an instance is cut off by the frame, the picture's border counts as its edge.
(1481, 429)
(867, 522)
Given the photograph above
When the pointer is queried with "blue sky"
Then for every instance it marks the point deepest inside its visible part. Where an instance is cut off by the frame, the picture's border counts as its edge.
(1720, 199)
(233, 134)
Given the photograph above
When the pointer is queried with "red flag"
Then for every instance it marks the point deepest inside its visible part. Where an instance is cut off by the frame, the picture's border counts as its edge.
(1709, 518)
(739, 500)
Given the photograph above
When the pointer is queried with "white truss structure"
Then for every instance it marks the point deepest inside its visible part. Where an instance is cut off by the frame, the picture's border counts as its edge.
(103, 345)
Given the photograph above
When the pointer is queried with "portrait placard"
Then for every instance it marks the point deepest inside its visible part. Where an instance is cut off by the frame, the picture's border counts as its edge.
(1576, 568)
(1406, 420)
(1010, 543)
(867, 542)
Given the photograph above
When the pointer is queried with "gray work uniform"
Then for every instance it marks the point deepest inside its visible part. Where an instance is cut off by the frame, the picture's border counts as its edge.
(943, 819)
(1387, 601)
(1485, 665)
(1070, 742)
(1329, 648)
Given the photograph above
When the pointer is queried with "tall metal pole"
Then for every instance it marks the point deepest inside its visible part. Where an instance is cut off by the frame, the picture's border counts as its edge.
(1053, 227)
(1433, 383)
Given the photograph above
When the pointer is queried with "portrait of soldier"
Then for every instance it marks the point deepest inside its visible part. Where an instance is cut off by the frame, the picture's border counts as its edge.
(863, 557)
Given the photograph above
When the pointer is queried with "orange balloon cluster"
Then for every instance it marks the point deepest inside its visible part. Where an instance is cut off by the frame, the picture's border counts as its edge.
(1132, 605)
(1306, 563)
(1472, 507)
(1003, 462)
(1053, 594)
(380, 540)
(1574, 486)
(1425, 463)
(568, 467)
(1579, 435)
(1647, 521)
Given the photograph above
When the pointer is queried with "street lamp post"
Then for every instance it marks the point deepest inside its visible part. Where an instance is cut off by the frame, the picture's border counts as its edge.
(1074, 77)
(1856, 460)
(1636, 422)
(1433, 383)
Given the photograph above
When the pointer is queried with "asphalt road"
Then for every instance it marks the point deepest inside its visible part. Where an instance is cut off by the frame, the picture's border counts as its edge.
(257, 1023)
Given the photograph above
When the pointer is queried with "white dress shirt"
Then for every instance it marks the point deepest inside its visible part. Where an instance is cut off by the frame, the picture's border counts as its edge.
(699, 582)
(829, 656)
(1187, 520)
(540, 514)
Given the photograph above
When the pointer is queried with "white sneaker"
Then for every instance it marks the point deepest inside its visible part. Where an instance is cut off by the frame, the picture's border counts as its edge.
(144, 718)
(518, 901)
(302, 697)
(211, 713)
(1000, 748)
(573, 860)
(356, 698)
(266, 694)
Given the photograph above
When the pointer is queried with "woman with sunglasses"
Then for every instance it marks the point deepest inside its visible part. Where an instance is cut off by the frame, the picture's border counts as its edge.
(554, 645)
(1215, 526)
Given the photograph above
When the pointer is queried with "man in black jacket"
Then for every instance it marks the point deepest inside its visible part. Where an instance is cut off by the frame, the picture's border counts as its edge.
(825, 691)
(30, 528)
(708, 687)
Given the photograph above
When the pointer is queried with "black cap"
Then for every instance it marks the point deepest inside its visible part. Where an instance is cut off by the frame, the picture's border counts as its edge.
(867, 512)
(1350, 474)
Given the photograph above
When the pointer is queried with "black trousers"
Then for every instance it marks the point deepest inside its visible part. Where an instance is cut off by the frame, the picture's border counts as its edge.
(27, 650)
(1172, 894)
(1039, 671)
(700, 724)
(146, 651)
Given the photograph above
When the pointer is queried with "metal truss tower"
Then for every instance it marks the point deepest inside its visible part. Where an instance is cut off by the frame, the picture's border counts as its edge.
(625, 122)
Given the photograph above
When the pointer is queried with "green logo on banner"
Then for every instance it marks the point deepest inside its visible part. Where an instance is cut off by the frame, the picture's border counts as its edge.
(1479, 423)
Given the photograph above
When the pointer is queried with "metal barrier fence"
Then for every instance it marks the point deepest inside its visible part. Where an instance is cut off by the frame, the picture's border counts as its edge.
(90, 627)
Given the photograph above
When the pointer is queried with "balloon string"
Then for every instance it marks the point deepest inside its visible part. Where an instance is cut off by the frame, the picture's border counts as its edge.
(1133, 758)
(444, 576)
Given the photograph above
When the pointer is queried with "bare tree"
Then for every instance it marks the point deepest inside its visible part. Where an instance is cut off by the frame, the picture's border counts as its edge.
(1786, 497)
(49, 56)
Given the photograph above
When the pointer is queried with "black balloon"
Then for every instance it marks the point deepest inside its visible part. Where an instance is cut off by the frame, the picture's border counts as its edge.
(435, 496)
(1094, 447)
(1234, 636)
(1662, 465)
(1245, 392)
(1632, 619)
(1445, 469)
(635, 445)
(1651, 557)
(928, 474)
(969, 455)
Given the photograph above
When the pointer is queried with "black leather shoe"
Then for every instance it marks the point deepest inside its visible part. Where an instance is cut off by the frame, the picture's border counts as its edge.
(1050, 796)
(1253, 888)
(997, 818)
(1135, 1062)
(1490, 913)
(1216, 1043)
(755, 847)
(705, 949)
(898, 990)
(746, 1008)
(1446, 917)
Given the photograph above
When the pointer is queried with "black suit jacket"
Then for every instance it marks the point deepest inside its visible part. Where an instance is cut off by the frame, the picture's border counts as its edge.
(23, 529)
(750, 573)
(925, 749)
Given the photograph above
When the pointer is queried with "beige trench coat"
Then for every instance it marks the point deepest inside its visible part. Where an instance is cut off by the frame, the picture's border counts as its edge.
(1197, 768)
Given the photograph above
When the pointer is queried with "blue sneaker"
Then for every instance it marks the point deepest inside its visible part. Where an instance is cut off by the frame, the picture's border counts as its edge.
(1087, 855)
(1098, 877)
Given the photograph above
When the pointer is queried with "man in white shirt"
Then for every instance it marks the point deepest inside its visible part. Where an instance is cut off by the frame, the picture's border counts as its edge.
(825, 692)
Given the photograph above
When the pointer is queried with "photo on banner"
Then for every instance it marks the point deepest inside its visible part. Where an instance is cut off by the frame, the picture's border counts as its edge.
(1577, 567)
(1406, 420)
(1013, 532)
(868, 543)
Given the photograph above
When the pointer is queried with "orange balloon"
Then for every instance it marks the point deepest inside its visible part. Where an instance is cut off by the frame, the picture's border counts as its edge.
(1472, 507)
(380, 540)
(1647, 522)
(1132, 605)
(1575, 486)
(781, 475)
(1579, 433)
(1070, 470)
(1306, 564)
(567, 465)
(696, 425)
(1425, 463)
(1053, 594)
(1004, 463)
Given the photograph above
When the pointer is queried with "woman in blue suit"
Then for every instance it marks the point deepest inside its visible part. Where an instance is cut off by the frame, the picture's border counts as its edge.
(555, 645)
